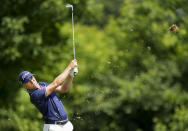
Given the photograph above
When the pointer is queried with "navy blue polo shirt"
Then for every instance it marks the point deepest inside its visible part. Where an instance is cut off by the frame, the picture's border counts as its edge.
(51, 106)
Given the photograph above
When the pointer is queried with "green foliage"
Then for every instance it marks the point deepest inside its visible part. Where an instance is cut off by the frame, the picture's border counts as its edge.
(180, 120)
(132, 69)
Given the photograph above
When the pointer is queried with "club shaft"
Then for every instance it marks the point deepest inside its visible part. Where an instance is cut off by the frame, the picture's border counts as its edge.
(73, 35)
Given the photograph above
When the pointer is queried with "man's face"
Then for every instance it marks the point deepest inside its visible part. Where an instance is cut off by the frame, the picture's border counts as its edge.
(31, 84)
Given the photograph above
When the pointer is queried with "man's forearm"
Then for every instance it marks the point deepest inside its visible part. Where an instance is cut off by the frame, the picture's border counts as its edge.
(58, 80)
(66, 85)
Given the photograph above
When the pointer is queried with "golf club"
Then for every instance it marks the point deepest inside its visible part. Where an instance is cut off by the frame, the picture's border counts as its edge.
(71, 6)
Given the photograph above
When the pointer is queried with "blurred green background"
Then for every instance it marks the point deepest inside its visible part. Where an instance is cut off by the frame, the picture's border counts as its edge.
(132, 70)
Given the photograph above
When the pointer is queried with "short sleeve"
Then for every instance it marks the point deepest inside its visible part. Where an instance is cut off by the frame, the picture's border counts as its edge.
(39, 94)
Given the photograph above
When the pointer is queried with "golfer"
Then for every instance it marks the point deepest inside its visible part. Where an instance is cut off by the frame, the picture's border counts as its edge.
(43, 96)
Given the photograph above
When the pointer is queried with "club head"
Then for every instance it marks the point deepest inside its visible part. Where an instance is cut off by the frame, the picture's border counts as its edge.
(69, 5)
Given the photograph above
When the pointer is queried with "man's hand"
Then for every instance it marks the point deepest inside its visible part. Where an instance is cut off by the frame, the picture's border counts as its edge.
(73, 64)
(74, 70)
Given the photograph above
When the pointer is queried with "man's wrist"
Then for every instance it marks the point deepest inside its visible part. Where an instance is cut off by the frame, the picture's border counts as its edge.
(70, 76)
(71, 72)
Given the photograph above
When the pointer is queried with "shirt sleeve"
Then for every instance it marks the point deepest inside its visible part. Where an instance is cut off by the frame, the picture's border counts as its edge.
(39, 94)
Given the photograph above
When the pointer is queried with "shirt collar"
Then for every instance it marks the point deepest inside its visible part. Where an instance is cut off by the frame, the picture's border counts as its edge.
(30, 91)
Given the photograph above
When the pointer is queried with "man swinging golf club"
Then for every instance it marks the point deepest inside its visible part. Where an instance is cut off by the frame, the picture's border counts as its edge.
(43, 96)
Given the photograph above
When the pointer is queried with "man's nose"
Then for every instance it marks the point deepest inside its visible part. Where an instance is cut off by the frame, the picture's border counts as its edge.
(32, 80)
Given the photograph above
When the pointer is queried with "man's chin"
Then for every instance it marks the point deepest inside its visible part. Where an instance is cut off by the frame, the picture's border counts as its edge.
(36, 86)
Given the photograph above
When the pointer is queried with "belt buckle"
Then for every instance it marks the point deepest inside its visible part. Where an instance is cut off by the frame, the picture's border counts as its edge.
(60, 122)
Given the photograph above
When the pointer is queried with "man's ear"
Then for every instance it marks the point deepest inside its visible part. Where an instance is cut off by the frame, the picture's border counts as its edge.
(24, 85)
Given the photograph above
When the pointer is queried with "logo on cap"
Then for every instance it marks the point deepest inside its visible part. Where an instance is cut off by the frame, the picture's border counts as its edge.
(23, 77)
